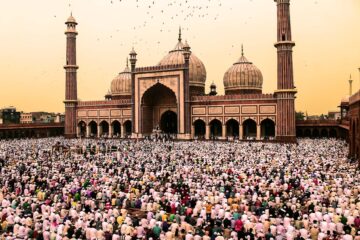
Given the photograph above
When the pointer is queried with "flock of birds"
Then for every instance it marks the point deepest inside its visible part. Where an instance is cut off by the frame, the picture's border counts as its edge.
(165, 16)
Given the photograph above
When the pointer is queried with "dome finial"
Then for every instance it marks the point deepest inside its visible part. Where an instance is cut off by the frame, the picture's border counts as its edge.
(242, 50)
(127, 62)
(179, 34)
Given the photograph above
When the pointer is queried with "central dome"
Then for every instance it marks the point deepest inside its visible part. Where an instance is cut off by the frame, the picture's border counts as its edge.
(197, 69)
(243, 77)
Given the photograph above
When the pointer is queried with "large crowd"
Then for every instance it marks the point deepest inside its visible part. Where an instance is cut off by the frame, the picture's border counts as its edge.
(110, 189)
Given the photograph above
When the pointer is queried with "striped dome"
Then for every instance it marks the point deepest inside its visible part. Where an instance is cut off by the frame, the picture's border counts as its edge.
(121, 85)
(243, 77)
(197, 69)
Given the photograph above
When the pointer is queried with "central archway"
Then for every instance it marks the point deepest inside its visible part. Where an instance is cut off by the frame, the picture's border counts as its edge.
(168, 123)
(153, 103)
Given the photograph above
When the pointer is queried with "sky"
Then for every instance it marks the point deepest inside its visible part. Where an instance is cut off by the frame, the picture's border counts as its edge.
(32, 49)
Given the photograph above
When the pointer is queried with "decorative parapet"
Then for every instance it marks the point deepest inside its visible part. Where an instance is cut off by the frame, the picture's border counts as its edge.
(160, 68)
(234, 97)
(104, 103)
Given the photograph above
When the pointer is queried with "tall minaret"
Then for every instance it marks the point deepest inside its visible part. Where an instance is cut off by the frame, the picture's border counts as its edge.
(350, 86)
(71, 82)
(285, 93)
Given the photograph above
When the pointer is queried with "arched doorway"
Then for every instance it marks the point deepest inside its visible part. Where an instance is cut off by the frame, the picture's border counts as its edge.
(307, 133)
(324, 133)
(267, 128)
(200, 129)
(315, 133)
(153, 101)
(299, 133)
(215, 128)
(93, 129)
(127, 127)
(82, 129)
(249, 129)
(333, 133)
(168, 122)
(232, 128)
(104, 125)
(116, 128)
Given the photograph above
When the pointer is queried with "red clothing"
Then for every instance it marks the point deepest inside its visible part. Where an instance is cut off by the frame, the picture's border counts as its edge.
(238, 225)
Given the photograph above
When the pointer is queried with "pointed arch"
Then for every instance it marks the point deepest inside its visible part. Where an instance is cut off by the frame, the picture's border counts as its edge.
(116, 128)
(200, 128)
(105, 128)
(82, 128)
(127, 127)
(267, 128)
(153, 100)
(93, 128)
(232, 128)
(215, 128)
(249, 129)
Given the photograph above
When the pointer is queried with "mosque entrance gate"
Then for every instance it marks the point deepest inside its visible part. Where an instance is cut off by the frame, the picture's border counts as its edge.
(158, 91)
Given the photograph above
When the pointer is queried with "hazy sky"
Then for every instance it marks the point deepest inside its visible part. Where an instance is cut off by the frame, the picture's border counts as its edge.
(32, 49)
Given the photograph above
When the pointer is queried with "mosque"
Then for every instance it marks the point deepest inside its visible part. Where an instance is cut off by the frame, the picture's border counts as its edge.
(171, 97)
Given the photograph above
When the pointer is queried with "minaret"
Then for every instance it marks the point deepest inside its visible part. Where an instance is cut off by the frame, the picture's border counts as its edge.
(285, 93)
(350, 86)
(133, 61)
(187, 115)
(71, 79)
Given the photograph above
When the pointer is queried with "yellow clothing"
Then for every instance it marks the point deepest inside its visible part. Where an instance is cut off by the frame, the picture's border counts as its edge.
(120, 219)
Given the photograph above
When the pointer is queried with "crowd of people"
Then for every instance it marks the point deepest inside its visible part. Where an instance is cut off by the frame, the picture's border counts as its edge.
(56, 188)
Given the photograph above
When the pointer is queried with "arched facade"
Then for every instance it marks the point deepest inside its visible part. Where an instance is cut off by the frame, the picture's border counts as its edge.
(170, 97)
(318, 131)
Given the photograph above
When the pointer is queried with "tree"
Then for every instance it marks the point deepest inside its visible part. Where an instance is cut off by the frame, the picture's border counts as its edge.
(299, 115)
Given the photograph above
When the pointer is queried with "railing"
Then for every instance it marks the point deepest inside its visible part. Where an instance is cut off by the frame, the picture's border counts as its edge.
(160, 68)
